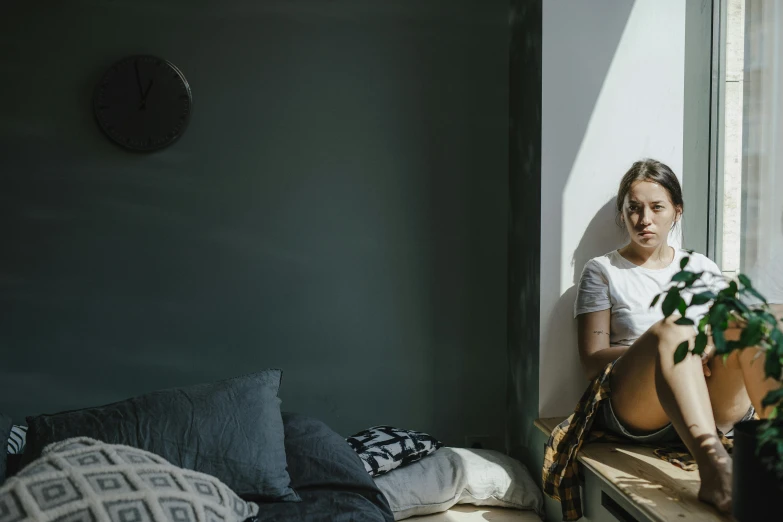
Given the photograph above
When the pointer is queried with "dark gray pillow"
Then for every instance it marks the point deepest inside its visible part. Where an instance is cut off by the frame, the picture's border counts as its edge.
(231, 429)
(5, 430)
(328, 475)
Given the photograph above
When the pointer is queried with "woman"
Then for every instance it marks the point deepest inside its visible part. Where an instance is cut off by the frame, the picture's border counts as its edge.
(651, 398)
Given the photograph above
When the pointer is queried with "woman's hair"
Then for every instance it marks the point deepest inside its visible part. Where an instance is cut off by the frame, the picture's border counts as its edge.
(650, 170)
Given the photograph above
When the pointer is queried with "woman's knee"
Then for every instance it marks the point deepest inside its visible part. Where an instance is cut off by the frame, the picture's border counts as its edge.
(670, 335)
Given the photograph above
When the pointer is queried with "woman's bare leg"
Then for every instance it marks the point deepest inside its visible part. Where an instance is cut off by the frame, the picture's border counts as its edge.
(757, 384)
(728, 396)
(649, 391)
(692, 404)
(749, 365)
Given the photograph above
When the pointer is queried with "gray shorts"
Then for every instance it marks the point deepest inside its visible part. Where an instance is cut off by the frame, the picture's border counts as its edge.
(607, 420)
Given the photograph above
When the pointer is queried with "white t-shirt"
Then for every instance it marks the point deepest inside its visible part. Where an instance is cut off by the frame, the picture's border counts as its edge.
(612, 282)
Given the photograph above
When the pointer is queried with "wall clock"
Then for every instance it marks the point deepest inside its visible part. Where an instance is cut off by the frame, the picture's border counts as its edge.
(143, 103)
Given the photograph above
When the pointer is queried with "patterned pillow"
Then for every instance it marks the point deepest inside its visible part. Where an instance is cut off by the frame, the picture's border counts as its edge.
(85, 480)
(16, 440)
(383, 448)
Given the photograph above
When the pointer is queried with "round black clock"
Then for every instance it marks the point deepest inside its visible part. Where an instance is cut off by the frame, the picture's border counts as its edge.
(143, 103)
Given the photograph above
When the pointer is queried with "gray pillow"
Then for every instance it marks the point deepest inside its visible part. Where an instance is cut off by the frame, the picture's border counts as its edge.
(453, 476)
(5, 430)
(231, 429)
(82, 480)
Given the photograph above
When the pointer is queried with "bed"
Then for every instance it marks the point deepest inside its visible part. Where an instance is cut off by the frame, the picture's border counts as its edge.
(275, 465)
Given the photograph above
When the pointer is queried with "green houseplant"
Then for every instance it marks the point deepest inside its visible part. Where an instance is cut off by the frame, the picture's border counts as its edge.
(728, 308)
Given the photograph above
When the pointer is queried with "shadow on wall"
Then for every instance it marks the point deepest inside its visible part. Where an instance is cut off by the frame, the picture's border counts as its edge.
(580, 44)
(601, 236)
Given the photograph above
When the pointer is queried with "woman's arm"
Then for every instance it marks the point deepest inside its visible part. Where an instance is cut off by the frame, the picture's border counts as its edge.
(595, 352)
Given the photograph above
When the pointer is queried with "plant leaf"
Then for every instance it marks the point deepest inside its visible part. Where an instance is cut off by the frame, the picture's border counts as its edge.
(684, 321)
(730, 291)
(671, 301)
(733, 345)
(718, 315)
(752, 291)
(700, 344)
(720, 342)
(772, 366)
(655, 300)
(704, 322)
(682, 307)
(745, 280)
(681, 352)
(768, 317)
(776, 337)
(739, 305)
(686, 276)
(683, 262)
(767, 433)
(702, 298)
(773, 397)
(752, 333)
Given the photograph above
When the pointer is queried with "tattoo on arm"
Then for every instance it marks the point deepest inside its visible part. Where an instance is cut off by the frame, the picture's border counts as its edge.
(600, 332)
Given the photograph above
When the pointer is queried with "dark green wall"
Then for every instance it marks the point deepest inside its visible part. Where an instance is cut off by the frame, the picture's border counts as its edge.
(524, 227)
(337, 208)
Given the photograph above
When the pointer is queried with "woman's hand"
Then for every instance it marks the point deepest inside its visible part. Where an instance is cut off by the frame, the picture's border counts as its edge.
(705, 363)
(706, 357)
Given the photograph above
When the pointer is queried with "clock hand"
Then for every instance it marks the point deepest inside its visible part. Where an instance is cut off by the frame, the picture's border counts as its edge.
(144, 96)
(149, 86)
(138, 80)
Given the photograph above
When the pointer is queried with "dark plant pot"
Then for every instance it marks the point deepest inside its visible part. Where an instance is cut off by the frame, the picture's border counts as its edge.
(756, 490)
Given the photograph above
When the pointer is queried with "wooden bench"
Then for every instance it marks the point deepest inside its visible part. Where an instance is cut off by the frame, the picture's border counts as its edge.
(470, 513)
(629, 483)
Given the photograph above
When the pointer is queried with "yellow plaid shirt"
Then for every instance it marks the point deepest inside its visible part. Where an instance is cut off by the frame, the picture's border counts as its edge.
(560, 475)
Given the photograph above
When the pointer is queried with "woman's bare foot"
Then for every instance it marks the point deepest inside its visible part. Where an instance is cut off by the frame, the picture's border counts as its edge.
(715, 476)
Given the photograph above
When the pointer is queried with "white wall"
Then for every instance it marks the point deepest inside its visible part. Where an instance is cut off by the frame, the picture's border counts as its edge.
(613, 91)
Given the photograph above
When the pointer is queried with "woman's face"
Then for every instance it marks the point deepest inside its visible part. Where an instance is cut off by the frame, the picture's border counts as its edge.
(649, 214)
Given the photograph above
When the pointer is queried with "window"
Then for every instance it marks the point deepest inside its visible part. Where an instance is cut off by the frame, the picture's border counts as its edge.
(746, 226)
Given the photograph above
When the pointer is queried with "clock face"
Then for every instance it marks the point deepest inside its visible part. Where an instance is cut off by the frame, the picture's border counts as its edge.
(143, 103)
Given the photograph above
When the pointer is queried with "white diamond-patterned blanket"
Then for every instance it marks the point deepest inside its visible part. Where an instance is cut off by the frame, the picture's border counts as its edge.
(85, 480)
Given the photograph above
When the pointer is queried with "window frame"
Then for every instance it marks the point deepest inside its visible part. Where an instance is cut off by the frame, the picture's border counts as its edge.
(704, 115)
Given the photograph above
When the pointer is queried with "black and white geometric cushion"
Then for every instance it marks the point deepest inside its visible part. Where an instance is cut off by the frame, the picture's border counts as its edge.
(85, 480)
(384, 448)
(16, 440)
